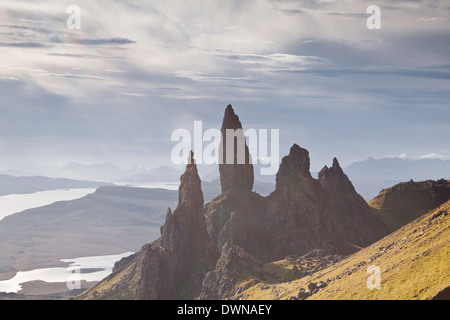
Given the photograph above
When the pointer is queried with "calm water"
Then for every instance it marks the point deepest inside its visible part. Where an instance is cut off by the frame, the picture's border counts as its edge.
(14, 203)
(74, 272)
(151, 185)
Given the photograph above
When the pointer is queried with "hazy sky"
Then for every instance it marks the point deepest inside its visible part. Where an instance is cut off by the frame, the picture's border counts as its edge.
(114, 90)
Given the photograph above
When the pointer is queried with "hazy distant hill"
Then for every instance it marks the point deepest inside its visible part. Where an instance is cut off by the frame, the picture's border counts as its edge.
(110, 172)
(100, 171)
(110, 221)
(372, 175)
(160, 174)
(19, 185)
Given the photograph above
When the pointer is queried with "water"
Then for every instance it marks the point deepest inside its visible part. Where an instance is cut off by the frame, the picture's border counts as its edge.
(151, 185)
(70, 275)
(13, 203)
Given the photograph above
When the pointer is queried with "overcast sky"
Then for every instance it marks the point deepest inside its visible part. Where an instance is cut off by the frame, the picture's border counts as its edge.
(115, 90)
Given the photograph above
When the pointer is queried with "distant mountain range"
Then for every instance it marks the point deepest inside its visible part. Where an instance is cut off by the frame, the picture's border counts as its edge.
(19, 185)
(105, 172)
(369, 177)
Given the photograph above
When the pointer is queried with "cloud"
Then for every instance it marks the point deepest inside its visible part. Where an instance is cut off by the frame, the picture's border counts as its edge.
(91, 42)
(24, 45)
(84, 55)
(134, 94)
(8, 78)
(310, 68)
(203, 77)
(399, 156)
(433, 156)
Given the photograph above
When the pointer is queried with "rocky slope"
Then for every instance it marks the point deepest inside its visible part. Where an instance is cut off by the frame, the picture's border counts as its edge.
(404, 202)
(305, 214)
(413, 262)
(221, 249)
(174, 265)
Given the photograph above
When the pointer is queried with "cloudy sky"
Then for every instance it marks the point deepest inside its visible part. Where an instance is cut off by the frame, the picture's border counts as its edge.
(114, 90)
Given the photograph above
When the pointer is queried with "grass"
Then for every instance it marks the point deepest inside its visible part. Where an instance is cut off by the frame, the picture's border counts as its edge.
(414, 263)
(398, 205)
(108, 289)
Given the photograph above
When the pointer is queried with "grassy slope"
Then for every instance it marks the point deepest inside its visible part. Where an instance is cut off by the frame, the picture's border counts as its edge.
(400, 204)
(414, 263)
(117, 286)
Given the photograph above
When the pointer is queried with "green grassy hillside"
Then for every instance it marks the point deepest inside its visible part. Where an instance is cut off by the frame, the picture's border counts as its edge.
(406, 201)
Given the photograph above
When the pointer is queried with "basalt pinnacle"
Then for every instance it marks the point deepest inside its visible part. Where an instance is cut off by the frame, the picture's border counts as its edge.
(235, 164)
(173, 260)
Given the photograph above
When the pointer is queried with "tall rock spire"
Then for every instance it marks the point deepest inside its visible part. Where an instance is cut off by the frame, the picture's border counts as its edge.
(187, 222)
(179, 258)
(334, 177)
(190, 195)
(235, 167)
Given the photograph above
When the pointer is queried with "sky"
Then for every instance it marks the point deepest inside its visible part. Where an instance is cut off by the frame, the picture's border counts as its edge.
(115, 89)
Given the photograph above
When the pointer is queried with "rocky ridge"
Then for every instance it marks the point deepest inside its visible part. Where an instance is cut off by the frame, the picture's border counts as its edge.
(208, 250)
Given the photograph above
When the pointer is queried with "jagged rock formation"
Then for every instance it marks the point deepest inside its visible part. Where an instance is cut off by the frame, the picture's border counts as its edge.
(173, 266)
(237, 217)
(203, 249)
(234, 262)
(236, 169)
(304, 213)
(237, 214)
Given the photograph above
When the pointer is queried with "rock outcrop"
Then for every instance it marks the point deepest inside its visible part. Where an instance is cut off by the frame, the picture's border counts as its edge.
(235, 167)
(305, 214)
(237, 217)
(233, 264)
(406, 201)
(205, 249)
(174, 266)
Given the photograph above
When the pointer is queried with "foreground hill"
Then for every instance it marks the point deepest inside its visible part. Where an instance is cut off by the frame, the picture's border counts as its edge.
(414, 264)
(404, 202)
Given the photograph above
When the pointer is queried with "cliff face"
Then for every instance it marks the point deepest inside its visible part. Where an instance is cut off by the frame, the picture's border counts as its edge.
(237, 214)
(202, 246)
(174, 266)
(236, 169)
(305, 214)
